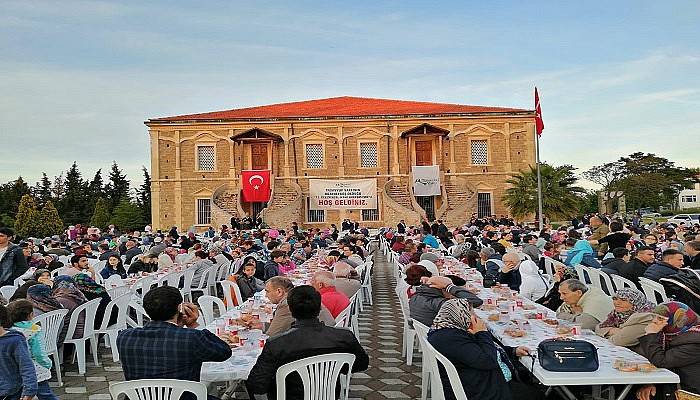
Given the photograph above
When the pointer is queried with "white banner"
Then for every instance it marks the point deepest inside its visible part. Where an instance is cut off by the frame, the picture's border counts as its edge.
(426, 180)
(351, 194)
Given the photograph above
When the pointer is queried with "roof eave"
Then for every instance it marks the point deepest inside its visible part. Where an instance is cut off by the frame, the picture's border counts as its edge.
(168, 121)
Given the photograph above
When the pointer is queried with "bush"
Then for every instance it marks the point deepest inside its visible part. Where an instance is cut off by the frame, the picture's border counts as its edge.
(49, 222)
(27, 218)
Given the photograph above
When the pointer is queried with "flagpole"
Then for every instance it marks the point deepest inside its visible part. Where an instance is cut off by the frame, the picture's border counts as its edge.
(539, 184)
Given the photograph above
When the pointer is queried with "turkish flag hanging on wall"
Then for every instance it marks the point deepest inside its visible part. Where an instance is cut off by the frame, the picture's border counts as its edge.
(256, 185)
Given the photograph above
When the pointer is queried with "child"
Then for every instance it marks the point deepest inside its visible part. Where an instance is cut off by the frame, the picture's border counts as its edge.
(21, 312)
(17, 374)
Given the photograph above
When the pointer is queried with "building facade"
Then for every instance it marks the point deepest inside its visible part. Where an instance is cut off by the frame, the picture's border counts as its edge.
(690, 198)
(196, 160)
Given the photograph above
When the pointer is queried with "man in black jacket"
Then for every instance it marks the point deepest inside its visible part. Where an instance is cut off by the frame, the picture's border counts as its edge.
(671, 262)
(692, 249)
(638, 265)
(13, 263)
(308, 337)
(611, 266)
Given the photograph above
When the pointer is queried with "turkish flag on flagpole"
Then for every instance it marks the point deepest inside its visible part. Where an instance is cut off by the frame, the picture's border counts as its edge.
(539, 123)
(256, 185)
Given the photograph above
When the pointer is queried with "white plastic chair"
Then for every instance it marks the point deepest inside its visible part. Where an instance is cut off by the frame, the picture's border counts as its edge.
(99, 266)
(355, 303)
(409, 334)
(319, 375)
(366, 287)
(549, 264)
(144, 284)
(343, 319)
(157, 389)
(118, 291)
(140, 314)
(51, 324)
(206, 303)
(111, 331)
(203, 285)
(114, 281)
(89, 334)
(57, 272)
(436, 388)
(232, 294)
(428, 363)
(186, 289)
(604, 281)
(580, 271)
(7, 291)
(651, 289)
(65, 260)
(622, 282)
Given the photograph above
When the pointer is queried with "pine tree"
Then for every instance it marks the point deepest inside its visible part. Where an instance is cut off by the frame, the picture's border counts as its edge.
(49, 222)
(127, 216)
(44, 194)
(117, 188)
(27, 218)
(100, 218)
(144, 196)
(94, 191)
(72, 205)
(59, 188)
(12, 193)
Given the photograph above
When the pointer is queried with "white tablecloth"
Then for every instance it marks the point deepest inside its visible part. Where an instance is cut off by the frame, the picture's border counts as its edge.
(539, 331)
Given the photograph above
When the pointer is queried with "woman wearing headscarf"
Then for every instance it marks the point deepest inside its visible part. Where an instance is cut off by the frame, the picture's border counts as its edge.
(93, 290)
(485, 368)
(626, 323)
(42, 300)
(70, 297)
(581, 253)
(672, 341)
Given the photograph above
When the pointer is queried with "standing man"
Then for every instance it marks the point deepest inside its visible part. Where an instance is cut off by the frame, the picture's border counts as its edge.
(12, 261)
(401, 228)
(599, 231)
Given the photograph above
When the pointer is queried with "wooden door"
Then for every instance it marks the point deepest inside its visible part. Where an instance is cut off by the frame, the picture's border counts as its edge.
(258, 156)
(424, 152)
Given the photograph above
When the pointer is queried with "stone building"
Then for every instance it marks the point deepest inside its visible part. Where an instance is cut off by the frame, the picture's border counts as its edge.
(197, 159)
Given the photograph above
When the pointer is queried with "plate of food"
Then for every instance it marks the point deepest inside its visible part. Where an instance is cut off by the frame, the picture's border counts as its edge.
(494, 317)
(564, 330)
(514, 332)
(551, 322)
(529, 306)
(488, 307)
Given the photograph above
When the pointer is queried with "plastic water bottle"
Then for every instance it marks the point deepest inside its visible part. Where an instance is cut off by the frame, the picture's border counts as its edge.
(257, 299)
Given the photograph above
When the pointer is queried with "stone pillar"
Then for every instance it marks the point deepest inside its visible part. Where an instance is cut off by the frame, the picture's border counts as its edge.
(286, 151)
(155, 178)
(232, 156)
(395, 137)
(178, 183)
(453, 161)
(506, 132)
(341, 153)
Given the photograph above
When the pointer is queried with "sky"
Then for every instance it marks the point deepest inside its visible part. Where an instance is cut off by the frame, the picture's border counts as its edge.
(78, 78)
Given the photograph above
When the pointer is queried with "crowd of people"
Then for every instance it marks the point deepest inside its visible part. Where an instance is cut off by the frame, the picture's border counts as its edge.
(266, 259)
(505, 253)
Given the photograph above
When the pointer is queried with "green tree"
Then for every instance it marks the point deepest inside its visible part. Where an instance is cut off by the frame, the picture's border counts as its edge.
(100, 218)
(49, 222)
(72, 205)
(645, 179)
(43, 194)
(27, 218)
(143, 198)
(95, 191)
(560, 197)
(127, 215)
(10, 195)
(117, 188)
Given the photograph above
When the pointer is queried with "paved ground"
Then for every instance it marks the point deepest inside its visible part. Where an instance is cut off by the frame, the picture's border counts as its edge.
(388, 376)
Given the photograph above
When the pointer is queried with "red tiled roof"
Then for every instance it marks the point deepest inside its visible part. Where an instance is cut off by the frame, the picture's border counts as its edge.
(340, 107)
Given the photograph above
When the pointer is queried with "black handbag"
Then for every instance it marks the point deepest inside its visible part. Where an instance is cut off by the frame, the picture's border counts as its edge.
(563, 355)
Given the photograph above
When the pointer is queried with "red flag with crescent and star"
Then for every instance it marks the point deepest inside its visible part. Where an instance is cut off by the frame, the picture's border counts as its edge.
(256, 185)
(539, 123)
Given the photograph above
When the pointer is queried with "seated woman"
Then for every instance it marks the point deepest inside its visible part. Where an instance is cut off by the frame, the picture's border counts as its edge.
(93, 290)
(114, 266)
(672, 341)
(625, 324)
(485, 369)
(144, 263)
(248, 284)
(580, 252)
(70, 297)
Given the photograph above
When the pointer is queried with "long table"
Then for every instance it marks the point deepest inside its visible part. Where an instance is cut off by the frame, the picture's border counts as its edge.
(539, 331)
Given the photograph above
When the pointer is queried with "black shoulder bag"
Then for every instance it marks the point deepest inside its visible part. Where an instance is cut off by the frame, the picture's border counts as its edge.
(563, 355)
